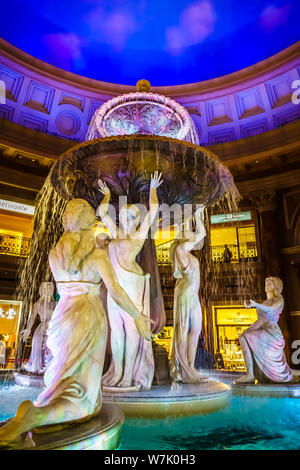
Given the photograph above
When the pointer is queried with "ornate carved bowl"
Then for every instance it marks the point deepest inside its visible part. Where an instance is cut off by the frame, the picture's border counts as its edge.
(143, 113)
(191, 173)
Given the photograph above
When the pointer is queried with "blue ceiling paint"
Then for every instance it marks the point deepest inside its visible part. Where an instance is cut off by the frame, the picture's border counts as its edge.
(168, 42)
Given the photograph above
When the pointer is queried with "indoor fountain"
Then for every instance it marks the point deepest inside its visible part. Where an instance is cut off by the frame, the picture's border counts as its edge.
(130, 138)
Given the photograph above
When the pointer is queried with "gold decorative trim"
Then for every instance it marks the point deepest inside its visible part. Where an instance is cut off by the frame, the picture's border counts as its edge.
(292, 250)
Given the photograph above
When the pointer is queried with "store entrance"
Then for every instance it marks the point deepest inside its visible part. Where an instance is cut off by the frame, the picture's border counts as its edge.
(230, 322)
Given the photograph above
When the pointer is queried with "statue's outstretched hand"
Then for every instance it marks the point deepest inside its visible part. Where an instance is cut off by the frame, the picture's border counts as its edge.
(250, 304)
(142, 325)
(104, 189)
(156, 179)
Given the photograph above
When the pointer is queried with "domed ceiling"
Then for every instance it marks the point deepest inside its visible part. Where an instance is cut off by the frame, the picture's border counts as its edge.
(169, 42)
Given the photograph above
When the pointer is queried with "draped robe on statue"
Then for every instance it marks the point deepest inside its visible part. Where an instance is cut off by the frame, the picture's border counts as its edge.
(266, 343)
(40, 354)
(77, 337)
(137, 287)
(187, 309)
(147, 259)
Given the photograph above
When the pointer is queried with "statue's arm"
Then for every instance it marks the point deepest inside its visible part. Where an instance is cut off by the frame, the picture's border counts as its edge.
(156, 180)
(199, 234)
(32, 316)
(102, 210)
(270, 310)
(118, 294)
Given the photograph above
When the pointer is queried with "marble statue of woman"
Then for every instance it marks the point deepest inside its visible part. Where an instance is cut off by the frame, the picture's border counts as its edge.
(132, 364)
(262, 343)
(40, 354)
(77, 331)
(187, 313)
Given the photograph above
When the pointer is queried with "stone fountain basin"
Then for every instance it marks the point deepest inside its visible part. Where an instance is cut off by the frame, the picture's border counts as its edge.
(191, 173)
(102, 432)
(163, 401)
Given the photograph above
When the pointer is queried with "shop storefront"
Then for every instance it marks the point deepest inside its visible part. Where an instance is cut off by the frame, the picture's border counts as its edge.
(229, 324)
(10, 313)
(233, 237)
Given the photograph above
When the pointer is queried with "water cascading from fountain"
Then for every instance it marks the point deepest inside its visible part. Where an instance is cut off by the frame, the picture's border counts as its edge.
(192, 175)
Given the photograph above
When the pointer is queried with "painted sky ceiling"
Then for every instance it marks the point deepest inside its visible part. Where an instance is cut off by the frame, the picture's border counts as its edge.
(169, 42)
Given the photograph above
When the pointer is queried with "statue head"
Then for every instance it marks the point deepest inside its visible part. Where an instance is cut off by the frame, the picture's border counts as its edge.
(102, 240)
(129, 217)
(78, 215)
(46, 289)
(273, 284)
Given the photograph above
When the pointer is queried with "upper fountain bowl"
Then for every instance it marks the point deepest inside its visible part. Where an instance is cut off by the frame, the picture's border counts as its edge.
(143, 113)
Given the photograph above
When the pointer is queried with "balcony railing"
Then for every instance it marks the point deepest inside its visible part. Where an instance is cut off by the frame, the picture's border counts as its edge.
(219, 254)
(234, 253)
(11, 245)
(163, 253)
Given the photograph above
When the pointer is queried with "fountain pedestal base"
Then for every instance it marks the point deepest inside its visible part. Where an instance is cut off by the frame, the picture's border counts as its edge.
(29, 380)
(103, 432)
(287, 389)
(163, 401)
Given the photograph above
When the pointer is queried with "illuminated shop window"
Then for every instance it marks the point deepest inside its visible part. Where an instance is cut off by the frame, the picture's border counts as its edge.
(164, 338)
(10, 313)
(233, 244)
(230, 323)
(15, 234)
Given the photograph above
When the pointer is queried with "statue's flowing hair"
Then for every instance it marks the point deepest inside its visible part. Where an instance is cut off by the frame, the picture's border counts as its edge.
(78, 240)
(278, 285)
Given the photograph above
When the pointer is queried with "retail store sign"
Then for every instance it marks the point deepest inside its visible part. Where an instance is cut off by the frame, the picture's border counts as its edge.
(9, 314)
(16, 207)
(233, 217)
(236, 316)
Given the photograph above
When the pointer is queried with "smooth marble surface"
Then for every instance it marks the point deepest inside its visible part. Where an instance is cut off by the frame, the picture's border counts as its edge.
(291, 389)
(103, 432)
(165, 400)
(29, 379)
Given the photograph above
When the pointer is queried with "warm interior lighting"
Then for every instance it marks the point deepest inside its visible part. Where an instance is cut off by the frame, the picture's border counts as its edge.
(229, 323)
(10, 313)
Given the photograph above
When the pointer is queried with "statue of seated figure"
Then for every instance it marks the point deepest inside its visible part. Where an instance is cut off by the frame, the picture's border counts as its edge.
(262, 343)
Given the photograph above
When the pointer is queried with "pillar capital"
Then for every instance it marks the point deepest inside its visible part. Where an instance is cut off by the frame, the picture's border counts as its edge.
(264, 201)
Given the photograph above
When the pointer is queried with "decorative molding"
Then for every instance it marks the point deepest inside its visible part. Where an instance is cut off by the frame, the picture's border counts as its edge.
(6, 112)
(292, 250)
(279, 90)
(218, 111)
(295, 313)
(285, 117)
(34, 122)
(93, 106)
(39, 97)
(193, 110)
(67, 123)
(241, 104)
(265, 201)
(72, 100)
(254, 127)
(221, 136)
(291, 205)
(249, 103)
(13, 82)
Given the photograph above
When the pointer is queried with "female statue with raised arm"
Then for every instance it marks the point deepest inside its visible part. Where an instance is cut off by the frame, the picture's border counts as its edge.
(132, 363)
(262, 343)
(187, 313)
(77, 331)
(40, 354)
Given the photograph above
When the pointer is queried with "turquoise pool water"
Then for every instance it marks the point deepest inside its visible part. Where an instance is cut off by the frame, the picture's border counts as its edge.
(248, 423)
